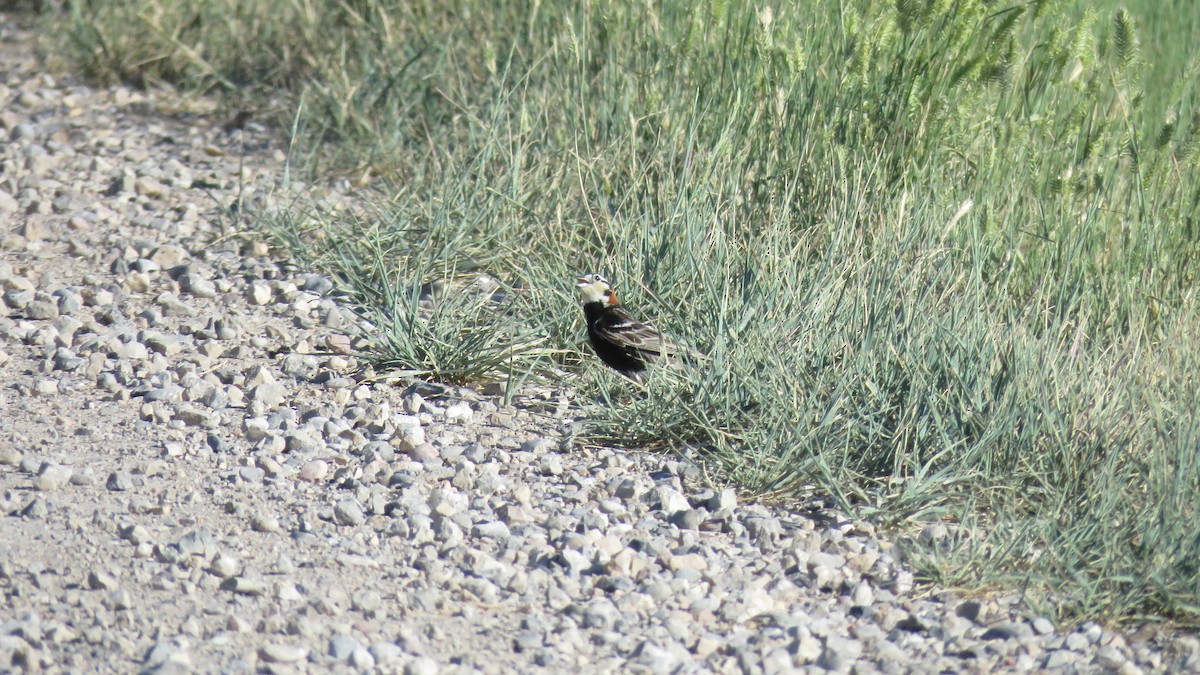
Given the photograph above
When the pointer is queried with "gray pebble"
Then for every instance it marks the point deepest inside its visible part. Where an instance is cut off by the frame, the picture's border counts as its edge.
(41, 310)
(149, 187)
(171, 393)
(657, 658)
(214, 398)
(1057, 659)
(22, 132)
(528, 641)
(65, 360)
(341, 647)
(245, 586)
(492, 530)
(362, 660)
(1006, 631)
(136, 534)
(316, 283)
(385, 652)
(1077, 642)
(145, 266)
(119, 599)
(551, 465)
(36, 509)
(251, 474)
(10, 456)
(52, 477)
(165, 344)
(270, 394)
(423, 452)
(262, 522)
(688, 519)
(168, 657)
(281, 653)
(259, 293)
(1042, 626)
(254, 428)
(422, 665)
(18, 299)
(348, 512)
(196, 542)
(119, 481)
(225, 566)
(99, 580)
(840, 652)
(538, 446)
(300, 366)
(669, 500)
(367, 602)
(459, 412)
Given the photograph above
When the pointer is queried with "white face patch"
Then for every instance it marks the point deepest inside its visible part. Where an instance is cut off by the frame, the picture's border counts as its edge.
(594, 288)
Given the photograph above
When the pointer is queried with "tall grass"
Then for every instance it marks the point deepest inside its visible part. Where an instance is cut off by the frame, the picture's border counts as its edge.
(941, 254)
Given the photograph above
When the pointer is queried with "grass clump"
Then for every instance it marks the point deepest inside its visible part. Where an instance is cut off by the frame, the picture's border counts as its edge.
(421, 315)
(941, 255)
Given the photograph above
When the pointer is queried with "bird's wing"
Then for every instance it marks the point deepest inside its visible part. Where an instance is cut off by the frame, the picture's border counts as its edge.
(620, 328)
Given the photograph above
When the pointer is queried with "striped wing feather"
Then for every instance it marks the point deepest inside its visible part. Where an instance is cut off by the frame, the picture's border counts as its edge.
(620, 328)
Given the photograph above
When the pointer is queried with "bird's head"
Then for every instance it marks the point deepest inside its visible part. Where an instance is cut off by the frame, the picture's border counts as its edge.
(595, 288)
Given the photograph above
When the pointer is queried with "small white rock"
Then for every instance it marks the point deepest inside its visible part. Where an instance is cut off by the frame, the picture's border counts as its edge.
(460, 411)
(225, 566)
(314, 470)
(277, 653)
(51, 477)
(259, 293)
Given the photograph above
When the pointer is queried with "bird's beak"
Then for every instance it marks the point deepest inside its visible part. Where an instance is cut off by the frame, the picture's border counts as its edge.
(582, 281)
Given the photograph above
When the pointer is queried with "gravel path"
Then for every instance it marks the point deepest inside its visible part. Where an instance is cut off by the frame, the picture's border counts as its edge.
(183, 488)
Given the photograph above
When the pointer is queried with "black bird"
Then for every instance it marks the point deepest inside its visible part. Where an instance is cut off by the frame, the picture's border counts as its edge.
(620, 340)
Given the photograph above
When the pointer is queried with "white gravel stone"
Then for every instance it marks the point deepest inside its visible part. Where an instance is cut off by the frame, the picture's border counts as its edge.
(119, 481)
(341, 647)
(245, 586)
(225, 566)
(119, 600)
(314, 470)
(10, 456)
(459, 412)
(385, 652)
(687, 561)
(101, 580)
(269, 394)
(669, 500)
(52, 477)
(348, 512)
(411, 437)
(282, 653)
(422, 665)
(198, 286)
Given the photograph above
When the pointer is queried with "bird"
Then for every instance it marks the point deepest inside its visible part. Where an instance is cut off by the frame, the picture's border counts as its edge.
(622, 342)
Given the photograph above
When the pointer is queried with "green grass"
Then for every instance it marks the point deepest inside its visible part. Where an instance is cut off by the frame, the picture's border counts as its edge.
(942, 255)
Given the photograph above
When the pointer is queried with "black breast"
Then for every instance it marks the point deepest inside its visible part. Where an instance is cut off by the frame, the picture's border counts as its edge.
(622, 357)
